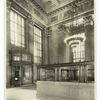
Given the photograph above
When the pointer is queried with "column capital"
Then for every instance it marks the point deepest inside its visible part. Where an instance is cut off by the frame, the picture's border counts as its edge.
(30, 20)
(63, 28)
(88, 20)
(48, 31)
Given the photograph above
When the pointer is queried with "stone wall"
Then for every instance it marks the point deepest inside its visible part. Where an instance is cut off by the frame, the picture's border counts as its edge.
(59, 52)
(65, 90)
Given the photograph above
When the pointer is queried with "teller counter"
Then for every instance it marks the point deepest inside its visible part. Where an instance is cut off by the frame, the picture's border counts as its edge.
(51, 90)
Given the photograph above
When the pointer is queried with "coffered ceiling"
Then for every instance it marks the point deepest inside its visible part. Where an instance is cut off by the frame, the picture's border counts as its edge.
(51, 5)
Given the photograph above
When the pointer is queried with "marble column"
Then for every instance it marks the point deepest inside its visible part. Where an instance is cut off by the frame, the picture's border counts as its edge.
(89, 43)
(81, 74)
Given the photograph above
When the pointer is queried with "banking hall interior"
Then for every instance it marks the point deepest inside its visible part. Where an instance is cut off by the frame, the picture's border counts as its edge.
(50, 50)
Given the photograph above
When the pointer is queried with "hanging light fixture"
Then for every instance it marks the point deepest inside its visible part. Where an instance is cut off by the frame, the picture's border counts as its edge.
(74, 39)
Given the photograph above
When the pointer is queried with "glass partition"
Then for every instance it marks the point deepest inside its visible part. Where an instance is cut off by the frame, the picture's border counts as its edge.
(47, 74)
(68, 72)
(69, 75)
(50, 75)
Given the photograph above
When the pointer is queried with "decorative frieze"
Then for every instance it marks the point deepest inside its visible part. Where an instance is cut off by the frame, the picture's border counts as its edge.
(77, 26)
(79, 4)
(24, 3)
(62, 27)
(55, 18)
(88, 20)
(67, 20)
(37, 5)
(33, 21)
(67, 14)
(38, 14)
(78, 8)
(72, 10)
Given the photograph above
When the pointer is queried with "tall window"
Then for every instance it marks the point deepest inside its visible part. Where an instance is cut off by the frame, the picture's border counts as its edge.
(37, 45)
(17, 26)
(79, 52)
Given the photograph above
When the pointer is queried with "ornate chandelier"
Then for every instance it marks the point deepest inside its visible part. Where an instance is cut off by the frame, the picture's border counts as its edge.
(74, 40)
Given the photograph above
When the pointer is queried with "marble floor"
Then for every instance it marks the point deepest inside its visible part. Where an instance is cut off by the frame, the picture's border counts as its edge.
(26, 92)
(21, 93)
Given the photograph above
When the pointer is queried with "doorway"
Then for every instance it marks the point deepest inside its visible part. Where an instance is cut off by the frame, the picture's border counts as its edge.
(21, 74)
(26, 74)
(16, 75)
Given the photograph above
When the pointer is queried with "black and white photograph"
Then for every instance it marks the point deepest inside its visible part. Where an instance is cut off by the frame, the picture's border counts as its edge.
(50, 50)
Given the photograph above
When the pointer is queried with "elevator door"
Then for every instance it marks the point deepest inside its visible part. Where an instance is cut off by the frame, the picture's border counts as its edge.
(26, 74)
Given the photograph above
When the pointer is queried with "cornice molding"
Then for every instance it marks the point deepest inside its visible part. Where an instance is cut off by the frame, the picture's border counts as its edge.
(52, 12)
(33, 22)
(9, 3)
(75, 17)
(37, 5)
(61, 8)
(57, 9)
(68, 5)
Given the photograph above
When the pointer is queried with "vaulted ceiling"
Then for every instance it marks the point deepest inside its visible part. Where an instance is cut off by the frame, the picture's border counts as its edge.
(51, 5)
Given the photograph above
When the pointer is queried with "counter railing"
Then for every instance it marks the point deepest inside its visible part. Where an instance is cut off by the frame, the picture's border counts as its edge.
(67, 72)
